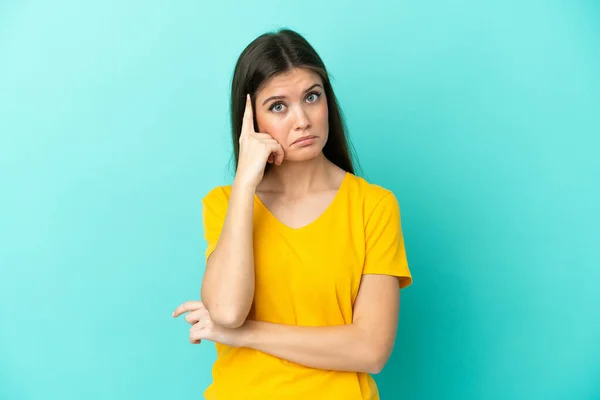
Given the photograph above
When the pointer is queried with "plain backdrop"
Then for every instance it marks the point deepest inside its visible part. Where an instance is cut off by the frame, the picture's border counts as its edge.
(482, 117)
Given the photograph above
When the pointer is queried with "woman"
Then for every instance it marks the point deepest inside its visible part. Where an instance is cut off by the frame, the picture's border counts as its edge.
(304, 259)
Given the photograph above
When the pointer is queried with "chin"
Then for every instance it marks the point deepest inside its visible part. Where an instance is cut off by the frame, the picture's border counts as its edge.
(304, 154)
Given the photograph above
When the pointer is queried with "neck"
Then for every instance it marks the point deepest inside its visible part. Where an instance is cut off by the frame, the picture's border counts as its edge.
(297, 178)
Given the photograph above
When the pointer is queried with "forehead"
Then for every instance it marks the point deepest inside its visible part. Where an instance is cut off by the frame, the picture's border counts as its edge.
(296, 80)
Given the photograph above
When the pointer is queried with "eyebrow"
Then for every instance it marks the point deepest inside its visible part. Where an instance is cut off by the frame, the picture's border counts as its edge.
(283, 97)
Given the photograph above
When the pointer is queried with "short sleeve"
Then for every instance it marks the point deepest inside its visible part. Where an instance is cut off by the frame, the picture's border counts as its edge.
(214, 209)
(384, 244)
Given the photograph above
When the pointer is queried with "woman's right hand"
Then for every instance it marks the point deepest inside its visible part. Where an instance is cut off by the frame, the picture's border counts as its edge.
(256, 149)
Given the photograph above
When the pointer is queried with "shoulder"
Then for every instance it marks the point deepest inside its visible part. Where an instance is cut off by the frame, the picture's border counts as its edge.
(217, 195)
(370, 196)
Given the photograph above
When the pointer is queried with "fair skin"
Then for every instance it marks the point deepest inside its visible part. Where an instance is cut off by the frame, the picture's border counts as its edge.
(297, 189)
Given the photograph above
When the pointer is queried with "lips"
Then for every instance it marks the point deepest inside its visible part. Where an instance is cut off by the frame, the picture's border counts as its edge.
(304, 138)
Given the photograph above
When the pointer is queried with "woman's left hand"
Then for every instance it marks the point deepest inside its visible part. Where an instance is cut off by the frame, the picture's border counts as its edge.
(203, 326)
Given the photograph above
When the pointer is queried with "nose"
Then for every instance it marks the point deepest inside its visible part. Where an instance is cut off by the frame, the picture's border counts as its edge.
(302, 121)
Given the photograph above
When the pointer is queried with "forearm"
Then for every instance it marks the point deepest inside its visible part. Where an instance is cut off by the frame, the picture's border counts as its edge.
(228, 283)
(338, 348)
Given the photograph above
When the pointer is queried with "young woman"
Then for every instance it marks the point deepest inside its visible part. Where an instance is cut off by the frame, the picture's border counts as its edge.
(305, 259)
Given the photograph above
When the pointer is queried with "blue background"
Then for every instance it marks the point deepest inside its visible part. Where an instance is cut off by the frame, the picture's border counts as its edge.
(482, 117)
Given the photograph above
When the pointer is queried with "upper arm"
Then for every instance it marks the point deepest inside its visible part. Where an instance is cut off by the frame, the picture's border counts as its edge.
(384, 242)
(214, 210)
(376, 312)
(385, 272)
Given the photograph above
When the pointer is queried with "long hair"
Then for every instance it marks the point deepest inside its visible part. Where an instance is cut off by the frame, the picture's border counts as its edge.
(279, 52)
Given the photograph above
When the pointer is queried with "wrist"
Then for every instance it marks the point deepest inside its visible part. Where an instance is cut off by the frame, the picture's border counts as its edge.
(243, 186)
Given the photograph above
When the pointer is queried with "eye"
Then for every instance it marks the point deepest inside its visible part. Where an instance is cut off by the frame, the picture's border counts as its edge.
(316, 96)
(312, 95)
(272, 108)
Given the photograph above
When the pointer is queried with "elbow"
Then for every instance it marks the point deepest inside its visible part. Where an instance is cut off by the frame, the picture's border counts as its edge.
(228, 316)
(377, 359)
(375, 367)
(228, 319)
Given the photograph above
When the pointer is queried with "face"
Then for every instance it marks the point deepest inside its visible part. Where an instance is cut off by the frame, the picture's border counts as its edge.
(291, 106)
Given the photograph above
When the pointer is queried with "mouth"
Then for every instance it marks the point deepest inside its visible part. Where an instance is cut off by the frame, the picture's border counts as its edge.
(304, 139)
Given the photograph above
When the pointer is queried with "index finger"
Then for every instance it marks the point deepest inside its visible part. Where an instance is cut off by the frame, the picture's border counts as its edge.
(187, 306)
(248, 119)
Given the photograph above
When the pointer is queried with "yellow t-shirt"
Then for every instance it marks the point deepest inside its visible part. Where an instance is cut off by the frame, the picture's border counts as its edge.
(308, 277)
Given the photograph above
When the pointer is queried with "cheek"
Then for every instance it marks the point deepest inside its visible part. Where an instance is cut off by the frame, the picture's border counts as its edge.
(272, 126)
(321, 116)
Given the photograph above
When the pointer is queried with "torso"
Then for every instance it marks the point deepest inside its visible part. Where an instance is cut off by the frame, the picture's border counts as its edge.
(309, 257)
